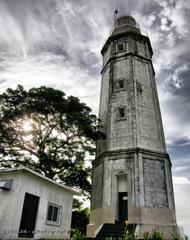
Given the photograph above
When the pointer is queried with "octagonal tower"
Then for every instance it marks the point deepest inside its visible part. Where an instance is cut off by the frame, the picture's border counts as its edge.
(132, 171)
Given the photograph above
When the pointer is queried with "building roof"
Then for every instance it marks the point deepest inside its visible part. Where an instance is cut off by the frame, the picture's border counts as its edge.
(25, 169)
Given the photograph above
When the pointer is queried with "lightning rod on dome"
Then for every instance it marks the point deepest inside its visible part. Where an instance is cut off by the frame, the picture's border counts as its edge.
(115, 16)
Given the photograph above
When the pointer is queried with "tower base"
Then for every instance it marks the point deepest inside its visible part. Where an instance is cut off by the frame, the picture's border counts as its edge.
(117, 230)
(143, 179)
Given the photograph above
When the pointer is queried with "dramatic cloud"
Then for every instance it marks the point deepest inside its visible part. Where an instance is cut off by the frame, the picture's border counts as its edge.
(58, 42)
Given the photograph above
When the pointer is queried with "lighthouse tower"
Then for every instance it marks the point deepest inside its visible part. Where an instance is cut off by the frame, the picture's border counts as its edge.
(132, 171)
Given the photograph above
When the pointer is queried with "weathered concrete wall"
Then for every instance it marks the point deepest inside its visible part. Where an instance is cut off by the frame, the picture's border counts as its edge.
(149, 123)
(154, 183)
(107, 54)
(97, 186)
(147, 180)
(142, 125)
(12, 204)
(98, 217)
(103, 112)
(121, 132)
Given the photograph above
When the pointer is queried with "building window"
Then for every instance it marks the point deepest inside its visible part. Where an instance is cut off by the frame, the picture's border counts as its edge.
(120, 47)
(53, 214)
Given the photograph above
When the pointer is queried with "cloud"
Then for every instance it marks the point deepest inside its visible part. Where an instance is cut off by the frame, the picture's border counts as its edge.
(181, 181)
(180, 169)
(168, 27)
(182, 196)
(2, 81)
(47, 69)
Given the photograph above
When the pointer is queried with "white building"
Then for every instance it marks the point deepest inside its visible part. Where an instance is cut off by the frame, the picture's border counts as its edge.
(33, 206)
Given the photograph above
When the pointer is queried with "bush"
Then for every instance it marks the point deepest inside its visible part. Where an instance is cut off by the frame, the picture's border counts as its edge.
(147, 235)
(128, 236)
(76, 234)
(80, 216)
(157, 236)
(176, 237)
(108, 238)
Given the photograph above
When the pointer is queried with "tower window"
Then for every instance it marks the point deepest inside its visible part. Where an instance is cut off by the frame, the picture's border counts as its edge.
(139, 87)
(121, 84)
(121, 113)
(120, 47)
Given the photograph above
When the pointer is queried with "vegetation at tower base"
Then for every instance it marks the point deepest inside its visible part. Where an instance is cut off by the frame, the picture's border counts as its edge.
(47, 132)
(80, 219)
(155, 235)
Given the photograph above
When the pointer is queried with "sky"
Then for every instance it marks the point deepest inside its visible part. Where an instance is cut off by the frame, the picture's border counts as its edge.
(57, 43)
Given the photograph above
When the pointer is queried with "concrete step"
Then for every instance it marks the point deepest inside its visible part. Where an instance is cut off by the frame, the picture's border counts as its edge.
(115, 231)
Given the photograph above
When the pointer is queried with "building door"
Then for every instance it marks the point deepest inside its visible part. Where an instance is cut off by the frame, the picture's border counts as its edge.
(123, 207)
(28, 218)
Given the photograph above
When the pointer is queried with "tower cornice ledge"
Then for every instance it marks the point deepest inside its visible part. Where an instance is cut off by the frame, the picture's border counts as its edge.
(125, 34)
(115, 153)
(125, 55)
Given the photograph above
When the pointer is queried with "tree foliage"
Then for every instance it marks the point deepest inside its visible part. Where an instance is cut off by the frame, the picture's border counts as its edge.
(43, 130)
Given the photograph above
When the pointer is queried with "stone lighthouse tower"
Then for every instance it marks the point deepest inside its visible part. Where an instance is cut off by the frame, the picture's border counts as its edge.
(132, 171)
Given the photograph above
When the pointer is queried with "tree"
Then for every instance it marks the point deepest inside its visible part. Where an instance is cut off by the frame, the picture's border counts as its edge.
(43, 130)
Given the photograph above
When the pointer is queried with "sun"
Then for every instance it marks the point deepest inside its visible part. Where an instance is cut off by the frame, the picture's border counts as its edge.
(27, 126)
(26, 130)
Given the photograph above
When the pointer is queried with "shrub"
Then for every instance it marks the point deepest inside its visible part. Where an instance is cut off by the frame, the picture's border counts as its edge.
(128, 236)
(147, 236)
(157, 235)
(108, 238)
(76, 234)
(176, 237)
